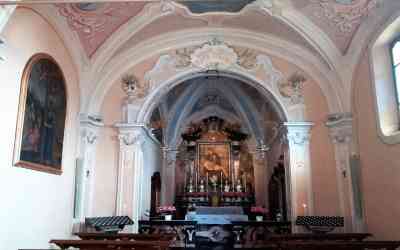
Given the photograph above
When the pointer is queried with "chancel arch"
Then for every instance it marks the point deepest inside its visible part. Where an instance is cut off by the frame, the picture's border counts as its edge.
(288, 106)
(277, 82)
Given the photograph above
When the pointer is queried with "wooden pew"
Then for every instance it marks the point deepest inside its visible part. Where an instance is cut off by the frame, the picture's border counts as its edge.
(111, 244)
(339, 245)
(319, 237)
(125, 236)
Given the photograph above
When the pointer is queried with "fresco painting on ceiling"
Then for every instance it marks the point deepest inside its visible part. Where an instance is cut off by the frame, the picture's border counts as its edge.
(214, 159)
(41, 116)
(200, 7)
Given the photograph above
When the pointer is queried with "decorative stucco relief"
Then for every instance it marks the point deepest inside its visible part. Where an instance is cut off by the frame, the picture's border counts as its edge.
(94, 23)
(133, 87)
(339, 19)
(345, 15)
(219, 56)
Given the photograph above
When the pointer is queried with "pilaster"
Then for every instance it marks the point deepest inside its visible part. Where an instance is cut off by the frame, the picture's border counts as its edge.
(89, 133)
(340, 129)
(130, 171)
(168, 175)
(298, 136)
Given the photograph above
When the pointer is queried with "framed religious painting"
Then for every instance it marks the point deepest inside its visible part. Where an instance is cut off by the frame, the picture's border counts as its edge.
(41, 116)
(214, 159)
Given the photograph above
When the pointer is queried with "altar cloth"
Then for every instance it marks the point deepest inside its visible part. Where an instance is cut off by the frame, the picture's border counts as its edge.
(219, 210)
(216, 219)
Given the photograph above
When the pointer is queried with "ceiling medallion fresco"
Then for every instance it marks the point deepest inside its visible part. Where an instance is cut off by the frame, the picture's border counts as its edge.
(95, 22)
(345, 16)
(201, 7)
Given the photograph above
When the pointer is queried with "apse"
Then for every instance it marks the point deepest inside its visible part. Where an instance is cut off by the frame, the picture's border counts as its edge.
(222, 130)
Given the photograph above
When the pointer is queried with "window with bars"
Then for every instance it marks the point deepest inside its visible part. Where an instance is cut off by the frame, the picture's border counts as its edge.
(395, 52)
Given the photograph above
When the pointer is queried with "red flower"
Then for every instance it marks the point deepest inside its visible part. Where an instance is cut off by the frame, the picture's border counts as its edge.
(259, 210)
(166, 209)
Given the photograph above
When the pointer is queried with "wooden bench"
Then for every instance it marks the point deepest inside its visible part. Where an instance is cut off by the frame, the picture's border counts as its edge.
(336, 245)
(319, 237)
(111, 244)
(125, 236)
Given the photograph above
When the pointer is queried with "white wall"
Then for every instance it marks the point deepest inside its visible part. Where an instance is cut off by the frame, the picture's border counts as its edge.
(36, 206)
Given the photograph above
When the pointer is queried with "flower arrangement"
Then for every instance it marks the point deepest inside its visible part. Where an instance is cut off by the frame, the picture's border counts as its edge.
(166, 209)
(259, 210)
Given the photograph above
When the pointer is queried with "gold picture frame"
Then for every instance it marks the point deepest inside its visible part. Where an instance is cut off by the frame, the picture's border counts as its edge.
(214, 157)
(42, 113)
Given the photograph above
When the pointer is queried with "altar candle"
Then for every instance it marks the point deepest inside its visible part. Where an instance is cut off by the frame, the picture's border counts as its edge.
(245, 183)
(305, 208)
(207, 183)
(221, 182)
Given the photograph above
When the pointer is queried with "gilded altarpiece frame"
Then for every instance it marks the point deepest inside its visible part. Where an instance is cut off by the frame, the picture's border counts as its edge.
(214, 158)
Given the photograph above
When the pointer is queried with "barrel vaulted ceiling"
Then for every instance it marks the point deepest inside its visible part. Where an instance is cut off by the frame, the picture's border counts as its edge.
(94, 23)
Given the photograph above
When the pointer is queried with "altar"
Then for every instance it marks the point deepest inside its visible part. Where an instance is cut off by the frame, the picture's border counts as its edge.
(217, 215)
(216, 170)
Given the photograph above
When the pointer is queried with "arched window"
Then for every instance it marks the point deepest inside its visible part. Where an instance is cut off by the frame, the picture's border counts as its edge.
(385, 68)
(395, 52)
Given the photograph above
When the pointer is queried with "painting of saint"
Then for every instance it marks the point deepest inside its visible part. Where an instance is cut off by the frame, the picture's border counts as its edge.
(214, 157)
(41, 117)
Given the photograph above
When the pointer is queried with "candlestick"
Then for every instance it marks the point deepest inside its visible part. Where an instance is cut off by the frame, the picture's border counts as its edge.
(221, 181)
(207, 183)
(305, 209)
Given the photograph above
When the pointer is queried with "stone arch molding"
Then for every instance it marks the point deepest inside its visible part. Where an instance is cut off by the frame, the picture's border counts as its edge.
(167, 45)
(223, 59)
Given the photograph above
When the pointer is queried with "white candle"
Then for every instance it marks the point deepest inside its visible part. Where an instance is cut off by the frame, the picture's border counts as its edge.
(305, 208)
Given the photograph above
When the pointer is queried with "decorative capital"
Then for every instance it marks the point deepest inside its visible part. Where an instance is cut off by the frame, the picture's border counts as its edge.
(90, 126)
(169, 156)
(340, 127)
(298, 132)
(91, 137)
(129, 138)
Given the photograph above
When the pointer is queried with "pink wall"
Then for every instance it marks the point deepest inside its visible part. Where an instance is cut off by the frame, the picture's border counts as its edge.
(380, 163)
(36, 206)
(323, 164)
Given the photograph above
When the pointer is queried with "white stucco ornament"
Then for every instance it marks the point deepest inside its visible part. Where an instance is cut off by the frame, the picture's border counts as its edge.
(213, 56)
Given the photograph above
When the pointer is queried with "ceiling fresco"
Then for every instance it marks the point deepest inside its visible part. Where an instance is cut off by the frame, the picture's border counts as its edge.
(95, 22)
(200, 7)
(339, 19)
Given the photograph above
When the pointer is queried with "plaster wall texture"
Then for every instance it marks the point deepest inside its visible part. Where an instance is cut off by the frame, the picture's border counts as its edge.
(36, 206)
(380, 162)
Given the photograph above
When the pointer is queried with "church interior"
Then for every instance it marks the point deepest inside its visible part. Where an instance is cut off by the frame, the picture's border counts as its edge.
(222, 124)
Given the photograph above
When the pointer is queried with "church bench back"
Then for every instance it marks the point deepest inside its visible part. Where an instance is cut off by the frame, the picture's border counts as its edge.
(319, 237)
(111, 244)
(339, 245)
(125, 236)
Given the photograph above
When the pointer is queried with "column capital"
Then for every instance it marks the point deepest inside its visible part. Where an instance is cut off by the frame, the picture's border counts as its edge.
(340, 127)
(89, 128)
(298, 132)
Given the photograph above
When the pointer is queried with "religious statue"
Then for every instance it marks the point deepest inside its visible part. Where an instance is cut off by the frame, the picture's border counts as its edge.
(226, 187)
(202, 186)
(239, 186)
